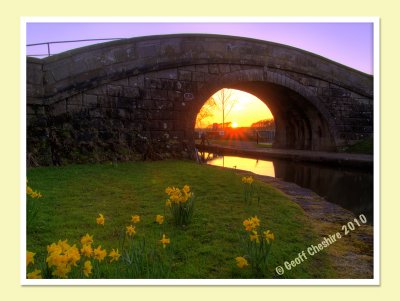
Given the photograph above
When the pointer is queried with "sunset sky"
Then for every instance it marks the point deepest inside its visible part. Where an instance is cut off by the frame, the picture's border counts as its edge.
(248, 110)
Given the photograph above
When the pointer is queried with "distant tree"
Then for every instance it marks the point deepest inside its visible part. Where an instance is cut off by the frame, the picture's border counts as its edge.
(224, 102)
(265, 124)
(206, 111)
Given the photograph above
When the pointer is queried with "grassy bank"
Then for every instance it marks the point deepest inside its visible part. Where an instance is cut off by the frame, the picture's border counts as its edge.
(365, 146)
(73, 196)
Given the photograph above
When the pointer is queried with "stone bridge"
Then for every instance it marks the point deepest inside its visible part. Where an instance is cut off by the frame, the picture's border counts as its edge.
(139, 97)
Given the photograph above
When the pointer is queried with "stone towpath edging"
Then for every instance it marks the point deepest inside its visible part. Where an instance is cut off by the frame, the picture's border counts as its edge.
(351, 256)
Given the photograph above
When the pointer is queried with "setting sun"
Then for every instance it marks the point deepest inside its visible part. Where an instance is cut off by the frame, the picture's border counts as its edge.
(235, 124)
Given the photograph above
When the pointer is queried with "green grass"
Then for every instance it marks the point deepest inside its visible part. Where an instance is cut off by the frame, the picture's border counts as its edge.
(365, 146)
(74, 196)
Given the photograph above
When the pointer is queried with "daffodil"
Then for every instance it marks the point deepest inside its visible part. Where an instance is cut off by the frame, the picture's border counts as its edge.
(247, 180)
(130, 230)
(255, 221)
(28, 190)
(165, 241)
(87, 250)
(34, 275)
(135, 219)
(159, 219)
(87, 239)
(168, 203)
(99, 254)
(87, 268)
(241, 262)
(186, 189)
(100, 220)
(268, 235)
(251, 223)
(114, 255)
(73, 255)
(255, 236)
(30, 258)
(62, 271)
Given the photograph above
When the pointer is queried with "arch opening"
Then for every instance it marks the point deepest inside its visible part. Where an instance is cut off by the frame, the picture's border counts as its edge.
(232, 115)
(298, 123)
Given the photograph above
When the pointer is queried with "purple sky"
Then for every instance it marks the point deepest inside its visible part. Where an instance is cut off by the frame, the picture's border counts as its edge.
(350, 44)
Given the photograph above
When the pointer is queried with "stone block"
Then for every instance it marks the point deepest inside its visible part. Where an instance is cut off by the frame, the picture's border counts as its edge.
(198, 77)
(164, 105)
(59, 108)
(145, 104)
(185, 75)
(202, 68)
(147, 49)
(74, 108)
(152, 83)
(167, 84)
(61, 70)
(175, 95)
(159, 94)
(90, 100)
(75, 100)
(125, 103)
(113, 90)
(213, 69)
(132, 92)
(136, 81)
(168, 74)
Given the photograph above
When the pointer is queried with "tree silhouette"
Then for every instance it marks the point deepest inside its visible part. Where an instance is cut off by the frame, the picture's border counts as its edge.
(224, 102)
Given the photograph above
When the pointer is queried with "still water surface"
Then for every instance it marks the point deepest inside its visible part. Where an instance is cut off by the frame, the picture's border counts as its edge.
(350, 188)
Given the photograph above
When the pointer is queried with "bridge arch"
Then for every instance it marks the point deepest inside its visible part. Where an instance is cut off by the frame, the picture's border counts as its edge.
(139, 97)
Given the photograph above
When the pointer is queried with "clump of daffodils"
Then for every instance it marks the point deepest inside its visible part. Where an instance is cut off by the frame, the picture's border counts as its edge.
(257, 246)
(177, 196)
(181, 204)
(62, 257)
(248, 180)
(248, 188)
(65, 260)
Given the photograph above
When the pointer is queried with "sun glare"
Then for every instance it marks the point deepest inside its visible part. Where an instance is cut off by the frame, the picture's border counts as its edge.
(241, 109)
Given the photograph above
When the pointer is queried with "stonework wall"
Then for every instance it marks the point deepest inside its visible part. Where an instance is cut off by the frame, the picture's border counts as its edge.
(139, 99)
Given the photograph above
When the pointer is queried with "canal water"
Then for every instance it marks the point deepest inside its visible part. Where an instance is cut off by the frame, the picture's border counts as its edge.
(350, 188)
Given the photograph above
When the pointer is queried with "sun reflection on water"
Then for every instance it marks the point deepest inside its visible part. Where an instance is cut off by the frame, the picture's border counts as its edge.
(261, 167)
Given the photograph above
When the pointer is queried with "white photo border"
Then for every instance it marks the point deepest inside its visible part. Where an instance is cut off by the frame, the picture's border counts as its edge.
(209, 282)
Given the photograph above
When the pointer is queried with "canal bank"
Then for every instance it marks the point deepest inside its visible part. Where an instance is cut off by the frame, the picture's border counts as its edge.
(351, 256)
(328, 158)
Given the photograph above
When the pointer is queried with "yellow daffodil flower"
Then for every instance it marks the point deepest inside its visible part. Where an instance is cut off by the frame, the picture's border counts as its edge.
(268, 235)
(255, 236)
(87, 268)
(62, 271)
(30, 258)
(186, 189)
(165, 241)
(100, 220)
(130, 230)
(87, 239)
(241, 262)
(135, 219)
(87, 250)
(159, 219)
(99, 254)
(34, 275)
(114, 255)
